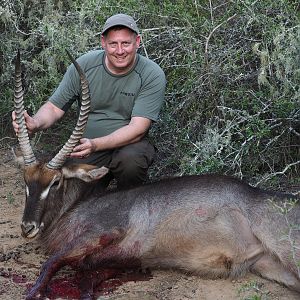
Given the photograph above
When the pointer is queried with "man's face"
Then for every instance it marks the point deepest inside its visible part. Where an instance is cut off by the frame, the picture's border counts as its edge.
(120, 46)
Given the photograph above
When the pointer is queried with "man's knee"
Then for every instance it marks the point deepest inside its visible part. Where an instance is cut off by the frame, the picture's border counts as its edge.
(130, 164)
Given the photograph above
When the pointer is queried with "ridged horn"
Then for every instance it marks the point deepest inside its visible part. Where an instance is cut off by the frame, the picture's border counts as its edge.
(22, 135)
(59, 159)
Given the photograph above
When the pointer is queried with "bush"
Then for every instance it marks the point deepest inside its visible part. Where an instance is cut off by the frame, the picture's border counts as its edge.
(232, 101)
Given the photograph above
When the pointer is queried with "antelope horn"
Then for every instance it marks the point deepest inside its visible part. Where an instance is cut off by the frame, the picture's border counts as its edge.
(22, 135)
(59, 159)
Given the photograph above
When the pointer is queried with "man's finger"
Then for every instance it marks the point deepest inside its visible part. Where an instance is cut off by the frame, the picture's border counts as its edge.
(83, 140)
(26, 115)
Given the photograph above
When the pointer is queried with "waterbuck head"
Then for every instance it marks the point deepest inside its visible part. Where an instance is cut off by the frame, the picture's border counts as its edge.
(45, 182)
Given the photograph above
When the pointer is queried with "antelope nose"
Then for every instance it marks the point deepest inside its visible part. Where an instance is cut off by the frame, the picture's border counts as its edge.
(27, 229)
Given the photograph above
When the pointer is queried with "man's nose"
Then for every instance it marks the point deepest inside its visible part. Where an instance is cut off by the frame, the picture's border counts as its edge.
(120, 49)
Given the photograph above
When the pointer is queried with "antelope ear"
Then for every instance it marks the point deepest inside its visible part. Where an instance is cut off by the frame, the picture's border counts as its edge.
(98, 173)
(18, 157)
(84, 172)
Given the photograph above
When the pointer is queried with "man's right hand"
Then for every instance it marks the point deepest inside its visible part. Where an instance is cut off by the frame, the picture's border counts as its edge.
(29, 121)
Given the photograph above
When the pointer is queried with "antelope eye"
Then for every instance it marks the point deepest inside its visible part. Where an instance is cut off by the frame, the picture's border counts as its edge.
(55, 183)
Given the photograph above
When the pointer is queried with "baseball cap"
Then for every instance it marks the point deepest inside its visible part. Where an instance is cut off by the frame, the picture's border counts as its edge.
(120, 19)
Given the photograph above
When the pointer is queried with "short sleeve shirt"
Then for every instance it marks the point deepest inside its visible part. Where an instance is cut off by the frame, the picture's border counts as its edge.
(114, 98)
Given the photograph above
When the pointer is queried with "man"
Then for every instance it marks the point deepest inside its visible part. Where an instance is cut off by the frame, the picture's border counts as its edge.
(127, 92)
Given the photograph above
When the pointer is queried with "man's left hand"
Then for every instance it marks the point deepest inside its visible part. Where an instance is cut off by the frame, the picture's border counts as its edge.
(84, 149)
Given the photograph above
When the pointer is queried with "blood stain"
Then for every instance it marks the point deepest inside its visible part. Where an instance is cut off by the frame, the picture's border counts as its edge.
(67, 287)
(16, 278)
(19, 279)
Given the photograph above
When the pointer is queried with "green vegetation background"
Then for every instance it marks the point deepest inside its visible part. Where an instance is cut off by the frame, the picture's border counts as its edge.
(233, 70)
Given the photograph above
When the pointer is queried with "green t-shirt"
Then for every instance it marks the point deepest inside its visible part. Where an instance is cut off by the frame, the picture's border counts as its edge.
(114, 98)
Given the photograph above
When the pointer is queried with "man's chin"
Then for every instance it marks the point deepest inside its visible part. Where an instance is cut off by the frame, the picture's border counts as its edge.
(121, 64)
(122, 68)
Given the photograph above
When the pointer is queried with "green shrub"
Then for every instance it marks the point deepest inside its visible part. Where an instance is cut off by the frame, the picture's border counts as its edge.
(232, 100)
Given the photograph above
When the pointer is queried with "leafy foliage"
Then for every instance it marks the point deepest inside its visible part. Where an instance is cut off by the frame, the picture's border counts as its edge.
(232, 102)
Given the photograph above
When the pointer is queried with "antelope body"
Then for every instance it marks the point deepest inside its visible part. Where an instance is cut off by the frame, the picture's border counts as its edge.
(211, 225)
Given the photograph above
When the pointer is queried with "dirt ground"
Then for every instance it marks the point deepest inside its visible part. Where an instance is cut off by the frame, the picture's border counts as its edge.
(20, 261)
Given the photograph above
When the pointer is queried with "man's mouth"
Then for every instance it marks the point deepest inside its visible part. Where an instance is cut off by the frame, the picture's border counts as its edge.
(120, 58)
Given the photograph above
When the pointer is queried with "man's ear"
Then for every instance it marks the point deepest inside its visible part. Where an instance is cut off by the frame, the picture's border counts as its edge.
(138, 41)
(84, 172)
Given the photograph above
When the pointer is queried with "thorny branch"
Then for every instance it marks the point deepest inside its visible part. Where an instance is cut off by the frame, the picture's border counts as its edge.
(278, 173)
(212, 32)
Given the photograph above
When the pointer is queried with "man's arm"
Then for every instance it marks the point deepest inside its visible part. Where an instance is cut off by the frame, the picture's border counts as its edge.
(46, 116)
(133, 132)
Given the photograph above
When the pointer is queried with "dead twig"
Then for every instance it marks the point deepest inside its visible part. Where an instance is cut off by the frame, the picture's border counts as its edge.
(278, 173)
(212, 32)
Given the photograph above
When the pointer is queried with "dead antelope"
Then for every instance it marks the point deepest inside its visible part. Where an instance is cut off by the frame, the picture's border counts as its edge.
(214, 226)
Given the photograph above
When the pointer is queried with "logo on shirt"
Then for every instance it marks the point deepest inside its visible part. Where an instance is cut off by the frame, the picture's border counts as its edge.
(127, 94)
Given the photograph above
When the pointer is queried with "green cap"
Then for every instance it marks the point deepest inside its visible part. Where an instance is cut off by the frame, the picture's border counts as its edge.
(120, 20)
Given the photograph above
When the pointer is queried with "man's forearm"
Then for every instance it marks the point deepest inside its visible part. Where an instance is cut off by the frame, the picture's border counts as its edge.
(133, 132)
(47, 115)
(129, 134)
(117, 139)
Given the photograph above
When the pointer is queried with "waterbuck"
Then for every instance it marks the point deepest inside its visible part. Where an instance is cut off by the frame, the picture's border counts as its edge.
(211, 225)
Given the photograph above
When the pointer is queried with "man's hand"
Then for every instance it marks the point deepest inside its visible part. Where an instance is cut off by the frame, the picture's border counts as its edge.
(29, 122)
(84, 149)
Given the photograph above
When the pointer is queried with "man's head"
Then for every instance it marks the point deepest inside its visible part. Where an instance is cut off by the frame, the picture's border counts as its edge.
(120, 40)
(120, 20)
